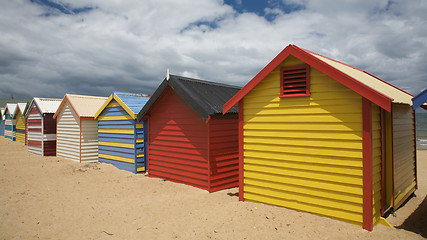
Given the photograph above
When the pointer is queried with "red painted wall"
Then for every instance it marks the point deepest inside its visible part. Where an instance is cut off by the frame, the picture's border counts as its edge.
(181, 143)
(178, 143)
(33, 122)
(223, 153)
(49, 127)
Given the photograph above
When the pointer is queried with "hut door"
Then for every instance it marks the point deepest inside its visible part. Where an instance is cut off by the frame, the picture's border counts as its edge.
(387, 158)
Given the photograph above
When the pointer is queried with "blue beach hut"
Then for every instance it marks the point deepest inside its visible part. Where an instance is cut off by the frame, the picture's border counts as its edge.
(121, 138)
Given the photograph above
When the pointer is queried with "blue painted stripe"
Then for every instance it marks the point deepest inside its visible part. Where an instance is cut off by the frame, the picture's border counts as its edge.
(140, 130)
(103, 150)
(114, 111)
(116, 122)
(117, 150)
(120, 165)
(140, 150)
(20, 131)
(140, 135)
(120, 140)
(140, 145)
(140, 161)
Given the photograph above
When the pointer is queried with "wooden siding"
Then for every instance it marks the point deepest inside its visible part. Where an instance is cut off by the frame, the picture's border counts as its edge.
(68, 133)
(121, 141)
(89, 140)
(178, 142)
(20, 127)
(223, 154)
(403, 153)
(35, 131)
(304, 153)
(376, 163)
(10, 127)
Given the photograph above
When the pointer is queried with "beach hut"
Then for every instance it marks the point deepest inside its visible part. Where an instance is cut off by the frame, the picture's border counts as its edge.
(21, 122)
(320, 136)
(190, 141)
(121, 139)
(420, 100)
(41, 127)
(2, 121)
(10, 121)
(77, 129)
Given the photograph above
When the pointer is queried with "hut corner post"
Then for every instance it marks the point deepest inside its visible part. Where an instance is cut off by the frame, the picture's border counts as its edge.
(367, 165)
(241, 178)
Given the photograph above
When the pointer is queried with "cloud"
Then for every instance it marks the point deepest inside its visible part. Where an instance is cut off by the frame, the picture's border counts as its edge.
(128, 45)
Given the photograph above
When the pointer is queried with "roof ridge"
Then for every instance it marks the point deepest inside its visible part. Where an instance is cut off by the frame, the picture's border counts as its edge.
(205, 82)
(84, 96)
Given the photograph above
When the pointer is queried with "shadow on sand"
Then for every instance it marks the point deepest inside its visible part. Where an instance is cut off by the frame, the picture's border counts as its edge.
(233, 194)
(417, 221)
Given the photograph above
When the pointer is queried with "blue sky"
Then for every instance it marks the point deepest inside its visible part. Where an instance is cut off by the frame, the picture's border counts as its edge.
(52, 47)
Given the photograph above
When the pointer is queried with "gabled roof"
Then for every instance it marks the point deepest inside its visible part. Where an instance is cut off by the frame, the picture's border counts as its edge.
(21, 108)
(45, 105)
(420, 100)
(82, 105)
(10, 109)
(205, 98)
(367, 85)
(132, 103)
(2, 113)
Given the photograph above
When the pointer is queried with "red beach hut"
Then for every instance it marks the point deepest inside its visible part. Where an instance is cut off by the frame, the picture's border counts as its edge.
(190, 141)
(41, 127)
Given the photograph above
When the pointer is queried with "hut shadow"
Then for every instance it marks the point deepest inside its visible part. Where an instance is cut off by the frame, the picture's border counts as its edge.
(236, 194)
(416, 222)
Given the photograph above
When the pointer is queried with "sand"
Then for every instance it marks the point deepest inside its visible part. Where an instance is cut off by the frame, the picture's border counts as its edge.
(55, 198)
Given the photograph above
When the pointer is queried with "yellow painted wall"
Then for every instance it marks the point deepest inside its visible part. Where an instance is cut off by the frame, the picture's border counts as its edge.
(20, 124)
(376, 163)
(403, 152)
(305, 153)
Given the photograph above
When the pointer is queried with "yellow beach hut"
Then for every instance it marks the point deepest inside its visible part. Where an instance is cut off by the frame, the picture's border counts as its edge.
(320, 136)
(21, 122)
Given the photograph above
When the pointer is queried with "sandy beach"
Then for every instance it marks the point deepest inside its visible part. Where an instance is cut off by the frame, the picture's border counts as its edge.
(56, 198)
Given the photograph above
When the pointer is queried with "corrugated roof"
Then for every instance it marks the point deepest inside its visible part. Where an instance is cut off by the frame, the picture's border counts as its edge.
(10, 108)
(369, 80)
(205, 98)
(84, 106)
(47, 105)
(134, 101)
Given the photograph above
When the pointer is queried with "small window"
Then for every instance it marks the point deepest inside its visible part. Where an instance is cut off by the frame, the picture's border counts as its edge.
(295, 81)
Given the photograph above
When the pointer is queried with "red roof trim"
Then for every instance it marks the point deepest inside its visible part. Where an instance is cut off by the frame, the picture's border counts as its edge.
(306, 56)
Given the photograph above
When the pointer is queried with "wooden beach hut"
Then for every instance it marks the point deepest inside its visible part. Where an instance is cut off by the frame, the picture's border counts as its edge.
(10, 121)
(41, 127)
(190, 141)
(320, 136)
(121, 139)
(77, 129)
(21, 122)
(2, 121)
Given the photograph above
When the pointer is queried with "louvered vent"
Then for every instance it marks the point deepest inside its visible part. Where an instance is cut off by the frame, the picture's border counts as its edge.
(295, 81)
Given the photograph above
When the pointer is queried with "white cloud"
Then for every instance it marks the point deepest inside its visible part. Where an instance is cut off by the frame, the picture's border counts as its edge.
(128, 45)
